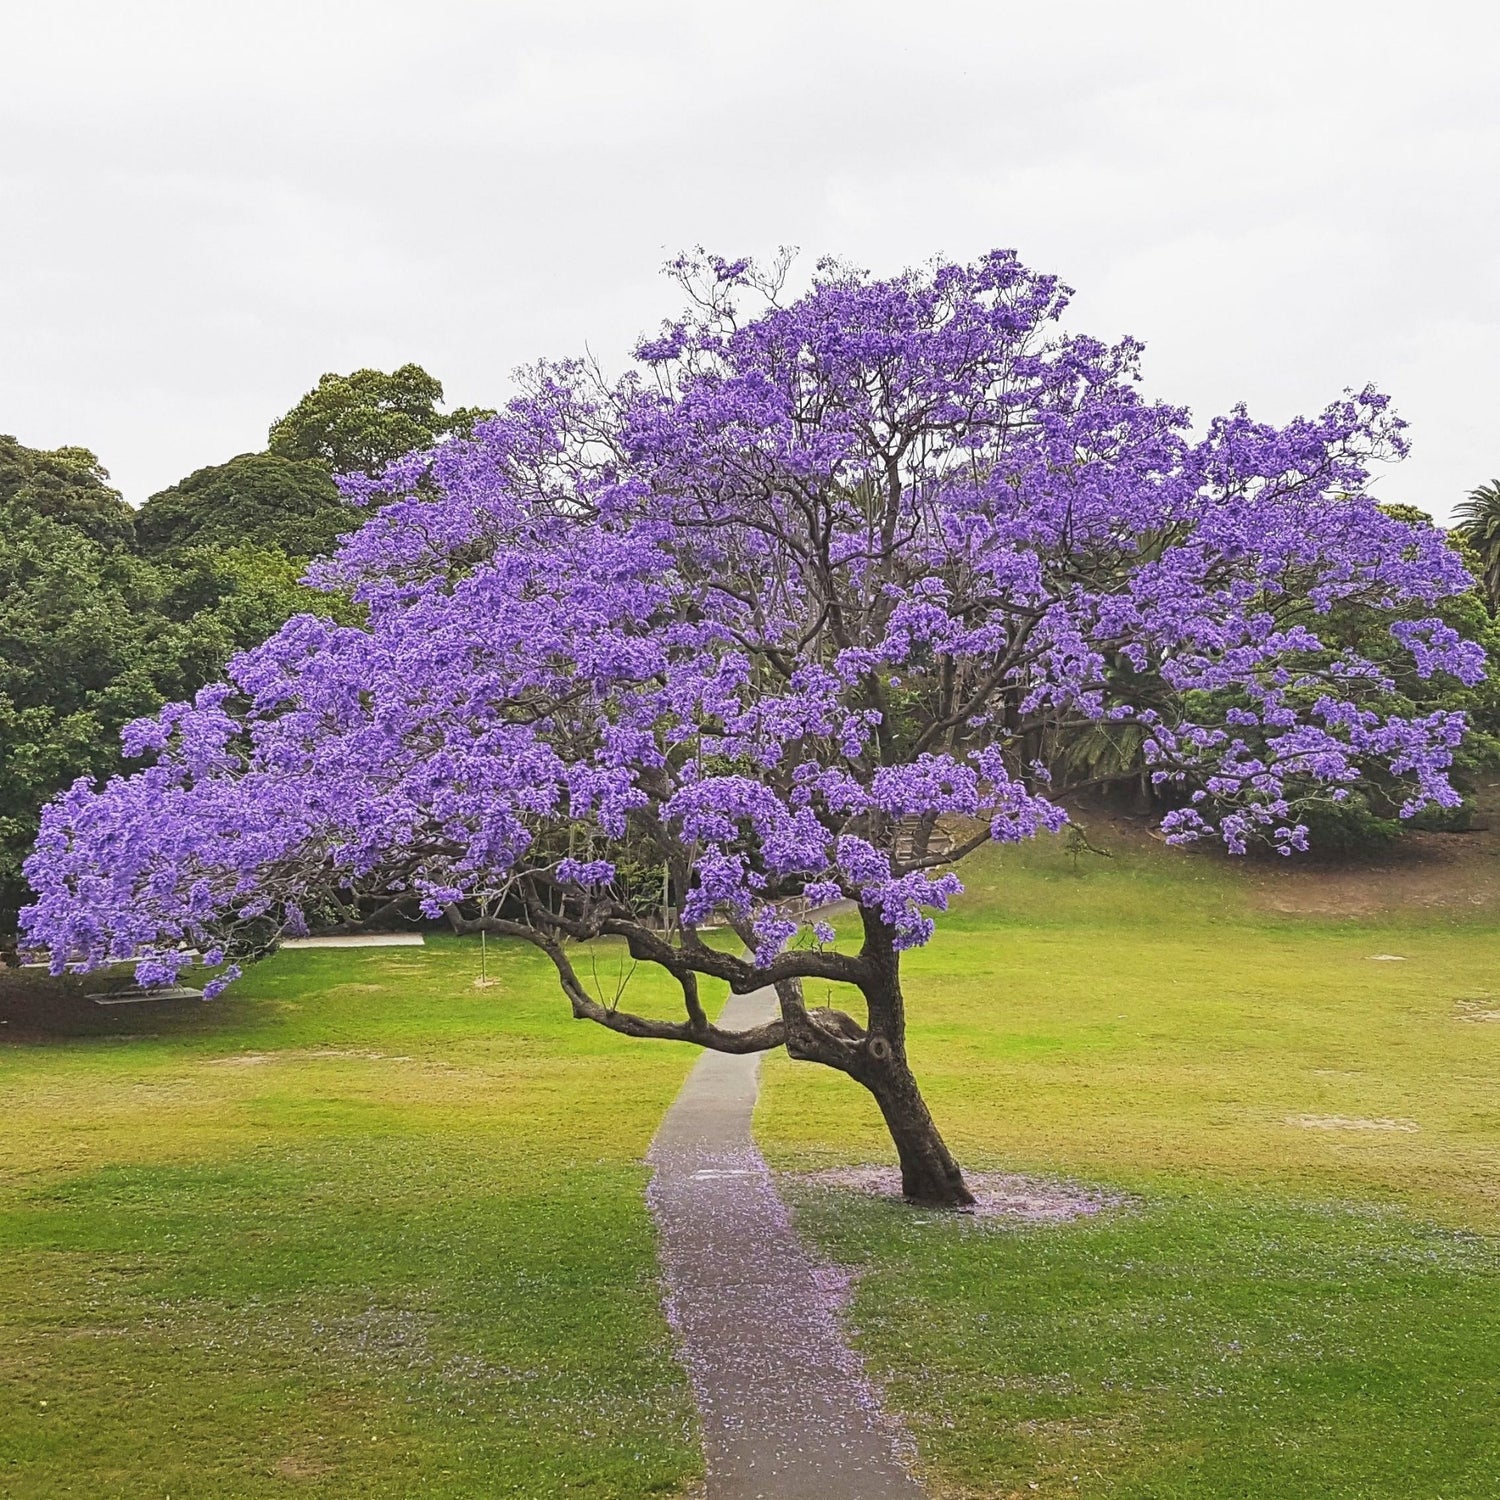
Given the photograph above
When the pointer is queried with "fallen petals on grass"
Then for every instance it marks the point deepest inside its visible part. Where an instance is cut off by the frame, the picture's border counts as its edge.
(997, 1195)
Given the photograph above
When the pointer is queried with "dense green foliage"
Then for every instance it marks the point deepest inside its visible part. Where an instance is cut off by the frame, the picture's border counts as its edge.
(289, 506)
(359, 423)
(68, 485)
(75, 640)
(107, 612)
(1477, 521)
(92, 635)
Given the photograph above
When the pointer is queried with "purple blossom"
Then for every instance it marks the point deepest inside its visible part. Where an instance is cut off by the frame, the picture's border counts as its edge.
(591, 874)
(764, 612)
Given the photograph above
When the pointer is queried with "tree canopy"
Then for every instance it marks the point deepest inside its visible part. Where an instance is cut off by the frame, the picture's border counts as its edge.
(1111, 755)
(1477, 520)
(107, 611)
(359, 423)
(68, 485)
(91, 637)
(758, 615)
(290, 506)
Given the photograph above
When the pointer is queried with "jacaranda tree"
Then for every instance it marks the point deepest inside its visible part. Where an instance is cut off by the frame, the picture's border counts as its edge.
(729, 636)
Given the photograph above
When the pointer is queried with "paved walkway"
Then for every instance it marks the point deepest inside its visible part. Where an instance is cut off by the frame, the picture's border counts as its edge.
(358, 940)
(788, 1413)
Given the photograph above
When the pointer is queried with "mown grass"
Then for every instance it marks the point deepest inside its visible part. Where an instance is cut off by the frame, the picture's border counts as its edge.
(1304, 1299)
(359, 1228)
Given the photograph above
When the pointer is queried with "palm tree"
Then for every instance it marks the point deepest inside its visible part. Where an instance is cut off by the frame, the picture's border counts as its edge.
(1477, 521)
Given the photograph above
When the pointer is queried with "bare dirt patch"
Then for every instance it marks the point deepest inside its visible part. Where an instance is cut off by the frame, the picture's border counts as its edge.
(1349, 1122)
(1457, 872)
(1427, 871)
(1004, 1196)
(305, 1054)
(302, 1466)
(1478, 1008)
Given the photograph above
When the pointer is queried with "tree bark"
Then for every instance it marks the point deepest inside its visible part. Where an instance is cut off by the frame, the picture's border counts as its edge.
(874, 1055)
(929, 1174)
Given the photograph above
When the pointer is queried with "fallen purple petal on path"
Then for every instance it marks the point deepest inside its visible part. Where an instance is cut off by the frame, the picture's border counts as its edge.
(788, 1410)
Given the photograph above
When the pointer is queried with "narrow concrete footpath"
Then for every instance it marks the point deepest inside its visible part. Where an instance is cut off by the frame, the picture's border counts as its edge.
(788, 1413)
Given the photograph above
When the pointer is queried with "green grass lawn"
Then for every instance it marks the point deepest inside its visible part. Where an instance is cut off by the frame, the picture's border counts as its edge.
(362, 1229)
(358, 1229)
(1304, 1299)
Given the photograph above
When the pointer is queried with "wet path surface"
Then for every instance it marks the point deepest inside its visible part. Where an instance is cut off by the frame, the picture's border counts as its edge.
(788, 1413)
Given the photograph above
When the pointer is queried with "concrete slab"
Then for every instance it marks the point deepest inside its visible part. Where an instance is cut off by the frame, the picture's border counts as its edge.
(138, 996)
(358, 940)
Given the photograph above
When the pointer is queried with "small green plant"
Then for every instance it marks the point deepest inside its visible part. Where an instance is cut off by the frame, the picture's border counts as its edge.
(1076, 844)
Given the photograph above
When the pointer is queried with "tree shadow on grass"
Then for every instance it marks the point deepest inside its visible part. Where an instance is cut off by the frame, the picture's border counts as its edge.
(37, 1009)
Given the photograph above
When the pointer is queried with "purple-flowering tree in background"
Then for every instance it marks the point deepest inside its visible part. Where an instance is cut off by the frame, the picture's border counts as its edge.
(731, 635)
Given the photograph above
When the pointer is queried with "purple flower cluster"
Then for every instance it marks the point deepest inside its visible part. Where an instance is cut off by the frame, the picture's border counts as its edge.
(806, 581)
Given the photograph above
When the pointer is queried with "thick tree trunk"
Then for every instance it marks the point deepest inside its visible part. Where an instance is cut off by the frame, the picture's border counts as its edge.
(877, 1058)
(874, 1054)
(929, 1173)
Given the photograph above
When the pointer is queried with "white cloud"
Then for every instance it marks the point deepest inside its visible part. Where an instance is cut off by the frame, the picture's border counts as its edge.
(207, 205)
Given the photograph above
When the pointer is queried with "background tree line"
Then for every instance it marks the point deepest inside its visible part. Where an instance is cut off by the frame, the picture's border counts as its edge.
(107, 611)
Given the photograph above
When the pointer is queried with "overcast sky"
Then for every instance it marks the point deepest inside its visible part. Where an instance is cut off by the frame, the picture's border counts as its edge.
(205, 206)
